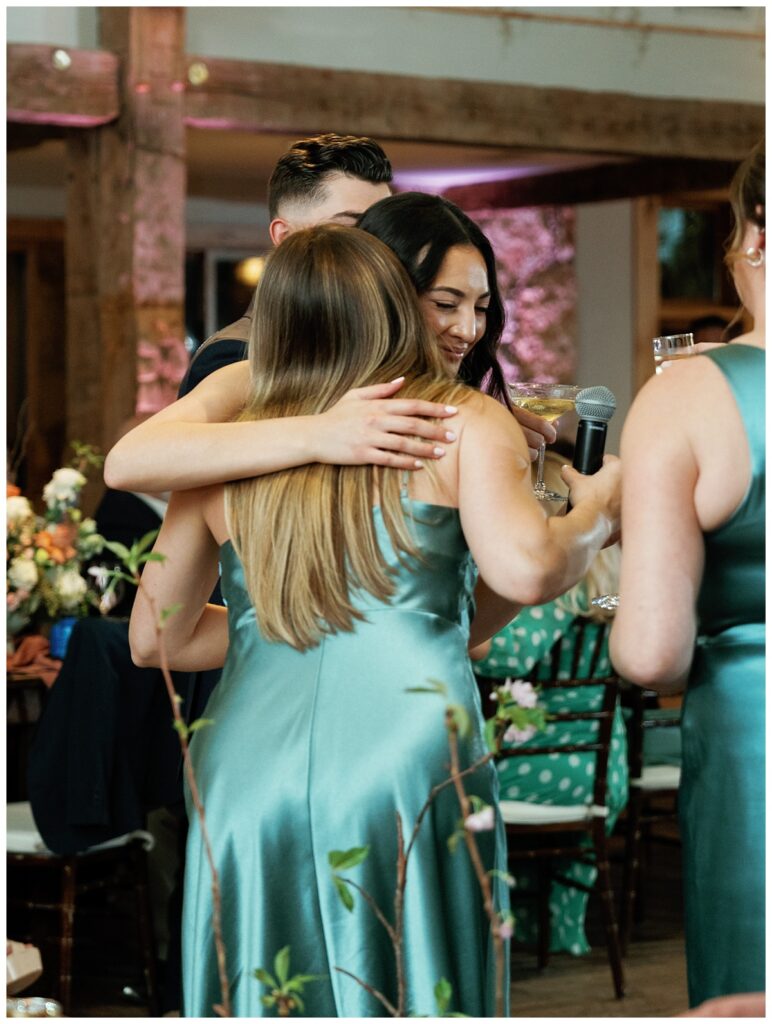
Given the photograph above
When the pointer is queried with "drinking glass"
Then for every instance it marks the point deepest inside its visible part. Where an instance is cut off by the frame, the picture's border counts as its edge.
(550, 401)
(672, 346)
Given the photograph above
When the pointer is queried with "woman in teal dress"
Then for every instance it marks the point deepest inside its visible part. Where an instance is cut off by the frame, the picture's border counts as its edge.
(343, 593)
(523, 649)
(692, 612)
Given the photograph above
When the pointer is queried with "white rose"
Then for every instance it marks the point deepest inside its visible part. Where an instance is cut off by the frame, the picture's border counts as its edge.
(71, 588)
(63, 487)
(18, 509)
(23, 574)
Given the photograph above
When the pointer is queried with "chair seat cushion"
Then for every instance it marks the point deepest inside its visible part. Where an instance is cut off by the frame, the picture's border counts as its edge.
(519, 812)
(658, 776)
(22, 834)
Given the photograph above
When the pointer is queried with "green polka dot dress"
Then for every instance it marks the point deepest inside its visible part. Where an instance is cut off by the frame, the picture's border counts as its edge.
(523, 648)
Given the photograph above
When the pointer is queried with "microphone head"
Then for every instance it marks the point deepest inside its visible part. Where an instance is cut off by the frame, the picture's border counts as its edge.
(597, 403)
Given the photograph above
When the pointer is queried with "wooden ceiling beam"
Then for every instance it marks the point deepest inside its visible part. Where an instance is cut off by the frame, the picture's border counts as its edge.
(255, 96)
(626, 180)
(55, 85)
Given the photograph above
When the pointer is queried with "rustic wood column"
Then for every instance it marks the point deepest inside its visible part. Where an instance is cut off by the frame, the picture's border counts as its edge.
(125, 233)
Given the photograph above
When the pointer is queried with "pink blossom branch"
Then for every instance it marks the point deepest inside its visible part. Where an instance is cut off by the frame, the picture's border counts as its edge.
(479, 867)
(180, 725)
(392, 1010)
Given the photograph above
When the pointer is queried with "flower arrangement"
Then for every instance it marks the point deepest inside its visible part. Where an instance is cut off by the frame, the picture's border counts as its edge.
(45, 554)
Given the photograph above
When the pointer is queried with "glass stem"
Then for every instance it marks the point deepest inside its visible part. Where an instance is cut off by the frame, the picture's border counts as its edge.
(540, 466)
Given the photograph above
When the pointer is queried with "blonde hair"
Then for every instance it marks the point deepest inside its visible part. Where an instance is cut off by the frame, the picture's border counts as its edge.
(603, 575)
(335, 310)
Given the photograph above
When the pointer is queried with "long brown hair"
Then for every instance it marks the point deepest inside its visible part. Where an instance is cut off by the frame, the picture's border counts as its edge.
(747, 198)
(335, 310)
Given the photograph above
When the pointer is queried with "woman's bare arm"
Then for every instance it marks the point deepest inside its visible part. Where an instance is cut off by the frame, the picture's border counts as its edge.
(191, 444)
(655, 627)
(522, 555)
(196, 635)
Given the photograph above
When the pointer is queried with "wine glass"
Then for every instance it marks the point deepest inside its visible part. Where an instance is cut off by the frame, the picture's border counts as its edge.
(671, 346)
(550, 401)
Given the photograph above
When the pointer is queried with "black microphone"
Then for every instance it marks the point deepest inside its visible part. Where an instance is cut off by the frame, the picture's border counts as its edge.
(595, 407)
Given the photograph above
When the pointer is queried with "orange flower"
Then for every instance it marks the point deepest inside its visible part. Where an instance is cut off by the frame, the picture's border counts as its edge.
(58, 543)
(11, 490)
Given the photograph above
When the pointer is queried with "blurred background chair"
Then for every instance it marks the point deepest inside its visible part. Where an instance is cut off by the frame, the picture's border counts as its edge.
(103, 867)
(654, 757)
(547, 835)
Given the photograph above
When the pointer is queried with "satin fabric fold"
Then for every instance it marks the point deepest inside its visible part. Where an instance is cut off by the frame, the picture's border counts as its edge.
(722, 796)
(318, 751)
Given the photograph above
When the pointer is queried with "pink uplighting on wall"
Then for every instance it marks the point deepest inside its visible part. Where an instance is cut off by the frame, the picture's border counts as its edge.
(535, 249)
(436, 181)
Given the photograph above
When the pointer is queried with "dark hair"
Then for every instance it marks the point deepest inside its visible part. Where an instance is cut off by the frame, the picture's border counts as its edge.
(420, 229)
(747, 193)
(300, 173)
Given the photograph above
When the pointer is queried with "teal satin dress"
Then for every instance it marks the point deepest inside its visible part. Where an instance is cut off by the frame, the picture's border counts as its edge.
(317, 751)
(722, 790)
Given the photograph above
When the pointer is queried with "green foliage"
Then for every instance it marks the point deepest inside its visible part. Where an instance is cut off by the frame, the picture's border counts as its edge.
(200, 723)
(461, 719)
(136, 556)
(443, 993)
(434, 686)
(166, 613)
(343, 860)
(344, 892)
(285, 991)
(86, 456)
(181, 727)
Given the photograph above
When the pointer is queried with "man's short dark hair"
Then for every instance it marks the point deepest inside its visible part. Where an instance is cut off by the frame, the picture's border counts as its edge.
(300, 173)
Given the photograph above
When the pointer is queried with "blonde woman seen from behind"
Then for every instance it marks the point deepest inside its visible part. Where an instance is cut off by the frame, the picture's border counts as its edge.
(345, 589)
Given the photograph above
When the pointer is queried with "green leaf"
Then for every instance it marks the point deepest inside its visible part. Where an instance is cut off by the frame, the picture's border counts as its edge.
(264, 977)
(443, 993)
(343, 891)
(477, 802)
(117, 549)
(299, 1004)
(181, 728)
(281, 965)
(454, 840)
(434, 686)
(151, 556)
(166, 613)
(298, 981)
(144, 542)
(490, 734)
(268, 1001)
(200, 723)
(343, 860)
(461, 718)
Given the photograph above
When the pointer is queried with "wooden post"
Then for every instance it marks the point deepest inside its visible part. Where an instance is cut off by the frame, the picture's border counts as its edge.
(645, 288)
(125, 233)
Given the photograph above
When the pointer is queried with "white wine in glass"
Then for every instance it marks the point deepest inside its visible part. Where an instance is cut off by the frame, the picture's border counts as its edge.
(670, 347)
(550, 401)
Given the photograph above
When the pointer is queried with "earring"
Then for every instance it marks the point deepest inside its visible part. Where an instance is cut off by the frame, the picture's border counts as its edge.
(754, 257)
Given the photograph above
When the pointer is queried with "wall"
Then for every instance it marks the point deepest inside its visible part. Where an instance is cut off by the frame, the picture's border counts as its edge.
(604, 277)
(688, 52)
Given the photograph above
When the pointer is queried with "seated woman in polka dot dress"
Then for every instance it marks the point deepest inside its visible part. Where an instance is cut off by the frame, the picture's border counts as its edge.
(523, 648)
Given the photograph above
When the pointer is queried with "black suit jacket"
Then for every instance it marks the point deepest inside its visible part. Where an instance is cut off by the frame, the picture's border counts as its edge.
(105, 752)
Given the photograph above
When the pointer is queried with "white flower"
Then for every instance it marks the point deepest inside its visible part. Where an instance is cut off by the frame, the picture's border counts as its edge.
(506, 930)
(71, 588)
(515, 735)
(22, 574)
(522, 693)
(63, 487)
(101, 575)
(481, 821)
(18, 509)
